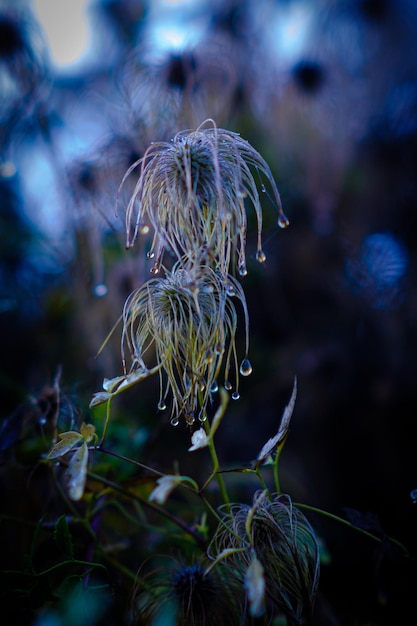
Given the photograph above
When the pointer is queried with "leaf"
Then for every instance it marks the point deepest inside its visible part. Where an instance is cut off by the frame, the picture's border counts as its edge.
(88, 432)
(99, 398)
(282, 433)
(68, 441)
(114, 385)
(77, 472)
(198, 440)
(164, 486)
(255, 587)
(62, 537)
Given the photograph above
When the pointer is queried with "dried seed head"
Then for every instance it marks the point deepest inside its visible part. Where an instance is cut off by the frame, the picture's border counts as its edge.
(182, 319)
(284, 543)
(192, 192)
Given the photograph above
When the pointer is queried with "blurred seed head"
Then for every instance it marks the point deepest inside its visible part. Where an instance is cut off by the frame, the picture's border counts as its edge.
(23, 65)
(309, 76)
(187, 595)
(284, 543)
(168, 85)
(377, 272)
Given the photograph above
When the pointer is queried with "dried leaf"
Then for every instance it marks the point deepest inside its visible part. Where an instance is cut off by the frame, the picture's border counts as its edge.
(88, 432)
(199, 440)
(77, 472)
(272, 444)
(99, 398)
(68, 441)
(164, 486)
(255, 587)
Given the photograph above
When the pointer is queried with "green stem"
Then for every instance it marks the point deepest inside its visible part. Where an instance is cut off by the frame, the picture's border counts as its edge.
(106, 423)
(216, 467)
(220, 519)
(125, 458)
(173, 518)
(345, 522)
(257, 471)
(275, 468)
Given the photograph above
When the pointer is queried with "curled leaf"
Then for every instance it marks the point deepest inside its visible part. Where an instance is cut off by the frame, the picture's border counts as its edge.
(273, 443)
(164, 486)
(199, 440)
(114, 385)
(99, 398)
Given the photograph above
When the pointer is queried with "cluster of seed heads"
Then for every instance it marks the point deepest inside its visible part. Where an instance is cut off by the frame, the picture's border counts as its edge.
(192, 194)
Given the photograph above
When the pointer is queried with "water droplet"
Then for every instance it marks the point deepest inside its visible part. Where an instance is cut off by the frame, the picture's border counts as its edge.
(242, 270)
(245, 368)
(155, 269)
(230, 290)
(283, 221)
(242, 193)
(214, 386)
(189, 418)
(202, 417)
(175, 421)
(161, 406)
(144, 229)
(263, 188)
(100, 290)
(413, 496)
(227, 385)
(261, 256)
(150, 254)
(235, 395)
(209, 356)
(42, 421)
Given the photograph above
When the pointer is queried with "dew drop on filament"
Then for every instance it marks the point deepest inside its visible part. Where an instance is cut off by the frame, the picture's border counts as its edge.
(175, 421)
(261, 256)
(161, 406)
(235, 395)
(283, 221)
(227, 385)
(150, 254)
(242, 270)
(245, 368)
(214, 387)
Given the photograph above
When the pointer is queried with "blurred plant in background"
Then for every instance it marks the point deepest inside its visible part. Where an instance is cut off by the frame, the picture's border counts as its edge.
(326, 93)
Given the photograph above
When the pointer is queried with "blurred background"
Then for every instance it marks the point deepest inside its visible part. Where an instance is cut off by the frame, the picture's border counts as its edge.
(326, 91)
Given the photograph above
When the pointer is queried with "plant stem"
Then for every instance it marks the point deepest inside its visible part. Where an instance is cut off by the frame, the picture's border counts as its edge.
(216, 468)
(99, 448)
(173, 518)
(106, 423)
(345, 522)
